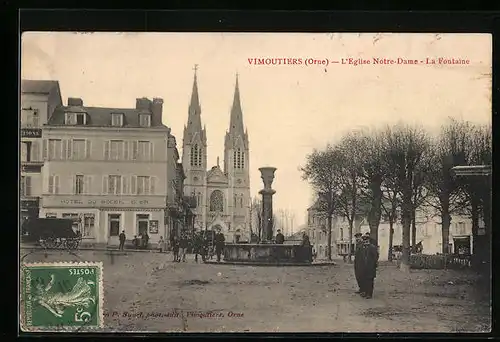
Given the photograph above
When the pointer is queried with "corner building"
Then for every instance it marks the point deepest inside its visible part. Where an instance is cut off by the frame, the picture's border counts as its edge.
(106, 168)
(222, 194)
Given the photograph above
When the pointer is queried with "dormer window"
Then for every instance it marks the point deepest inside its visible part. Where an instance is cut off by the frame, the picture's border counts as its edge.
(117, 119)
(145, 120)
(76, 119)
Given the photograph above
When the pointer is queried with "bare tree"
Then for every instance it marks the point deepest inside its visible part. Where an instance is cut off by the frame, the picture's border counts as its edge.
(407, 146)
(256, 214)
(321, 170)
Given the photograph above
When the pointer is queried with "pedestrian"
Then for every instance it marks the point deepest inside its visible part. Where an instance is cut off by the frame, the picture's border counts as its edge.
(122, 238)
(369, 261)
(145, 240)
(161, 244)
(135, 242)
(219, 244)
(183, 245)
(198, 247)
(175, 248)
(357, 260)
(280, 238)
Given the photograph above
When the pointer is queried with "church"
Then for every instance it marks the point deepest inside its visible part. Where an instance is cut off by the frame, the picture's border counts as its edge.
(222, 192)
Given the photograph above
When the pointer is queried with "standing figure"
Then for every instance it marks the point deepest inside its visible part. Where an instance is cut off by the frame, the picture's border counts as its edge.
(357, 260)
(280, 238)
(145, 240)
(175, 248)
(219, 244)
(161, 244)
(198, 246)
(183, 245)
(122, 238)
(369, 261)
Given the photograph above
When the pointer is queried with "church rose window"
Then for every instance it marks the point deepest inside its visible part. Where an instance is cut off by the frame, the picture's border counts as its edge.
(216, 201)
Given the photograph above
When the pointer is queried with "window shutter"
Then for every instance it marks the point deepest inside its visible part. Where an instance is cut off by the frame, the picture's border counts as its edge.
(151, 158)
(45, 151)
(35, 151)
(125, 150)
(124, 185)
(106, 150)
(56, 183)
(105, 184)
(73, 186)
(27, 190)
(69, 145)
(152, 185)
(135, 146)
(133, 183)
(87, 186)
(64, 149)
(51, 184)
(88, 147)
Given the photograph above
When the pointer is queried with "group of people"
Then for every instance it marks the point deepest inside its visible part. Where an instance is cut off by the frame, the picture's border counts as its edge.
(200, 246)
(365, 264)
(141, 241)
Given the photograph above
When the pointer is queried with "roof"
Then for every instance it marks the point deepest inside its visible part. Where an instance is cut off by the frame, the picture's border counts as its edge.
(38, 86)
(100, 116)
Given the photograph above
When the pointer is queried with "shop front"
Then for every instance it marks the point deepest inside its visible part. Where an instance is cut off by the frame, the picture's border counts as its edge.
(29, 210)
(101, 219)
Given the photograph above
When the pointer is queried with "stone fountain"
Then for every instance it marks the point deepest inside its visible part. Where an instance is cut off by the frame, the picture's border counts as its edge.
(267, 252)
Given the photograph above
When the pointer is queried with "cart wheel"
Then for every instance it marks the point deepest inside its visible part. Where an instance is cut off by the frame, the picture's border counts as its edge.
(50, 243)
(71, 244)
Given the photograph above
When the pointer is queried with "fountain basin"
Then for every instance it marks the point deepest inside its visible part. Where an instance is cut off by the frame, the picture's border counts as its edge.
(267, 253)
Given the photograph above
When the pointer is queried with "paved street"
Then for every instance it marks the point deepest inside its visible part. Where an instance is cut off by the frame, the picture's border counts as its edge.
(286, 299)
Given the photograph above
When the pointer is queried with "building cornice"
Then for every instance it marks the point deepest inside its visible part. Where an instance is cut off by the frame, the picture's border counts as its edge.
(48, 128)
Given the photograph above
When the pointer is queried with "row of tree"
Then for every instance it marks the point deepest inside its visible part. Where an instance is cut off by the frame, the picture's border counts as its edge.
(282, 219)
(401, 168)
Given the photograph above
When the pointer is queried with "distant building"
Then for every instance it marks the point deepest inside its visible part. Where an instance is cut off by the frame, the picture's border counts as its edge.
(39, 99)
(222, 192)
(106, 168)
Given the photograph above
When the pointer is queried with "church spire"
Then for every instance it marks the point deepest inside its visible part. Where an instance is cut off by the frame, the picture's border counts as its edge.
(236, 121)
(194, 117)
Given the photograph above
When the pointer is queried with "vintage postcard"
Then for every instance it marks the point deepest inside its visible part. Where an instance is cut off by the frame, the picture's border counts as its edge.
(255, 182)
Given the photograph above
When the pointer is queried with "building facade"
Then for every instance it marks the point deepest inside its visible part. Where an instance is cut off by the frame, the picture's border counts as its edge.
(106, 168)
(223, 192)
(39, 99)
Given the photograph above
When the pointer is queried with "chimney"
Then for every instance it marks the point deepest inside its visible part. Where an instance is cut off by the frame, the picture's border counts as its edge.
(75, 102)
(157, 111)
(143, 104)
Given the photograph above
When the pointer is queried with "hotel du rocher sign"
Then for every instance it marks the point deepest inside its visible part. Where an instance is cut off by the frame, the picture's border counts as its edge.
(31, 133)
(100, 202)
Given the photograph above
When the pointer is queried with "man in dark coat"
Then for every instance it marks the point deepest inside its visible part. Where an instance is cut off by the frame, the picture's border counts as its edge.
(369, 261)
(199, 246)
(122, 238)
(280, 238)
(219, 244)
(357, 260)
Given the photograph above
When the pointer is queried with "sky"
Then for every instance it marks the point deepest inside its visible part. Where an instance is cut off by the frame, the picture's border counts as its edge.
(288, 109)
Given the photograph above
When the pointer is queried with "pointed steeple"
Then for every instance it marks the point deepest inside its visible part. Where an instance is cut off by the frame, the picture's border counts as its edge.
(194, 118)
(236, 121)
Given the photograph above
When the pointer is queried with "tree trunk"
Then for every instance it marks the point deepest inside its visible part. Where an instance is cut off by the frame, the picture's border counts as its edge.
(474, 201)
(329, 245)
(375, 209)
(406, 223)
(350, 241)
(413, 231)
(391, 238)
(445, 230)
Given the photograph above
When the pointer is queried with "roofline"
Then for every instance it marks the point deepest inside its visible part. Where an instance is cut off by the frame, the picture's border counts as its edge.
(61, 127)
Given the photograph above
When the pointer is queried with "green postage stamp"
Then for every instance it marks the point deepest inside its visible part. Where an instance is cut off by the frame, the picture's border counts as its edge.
(61, 296)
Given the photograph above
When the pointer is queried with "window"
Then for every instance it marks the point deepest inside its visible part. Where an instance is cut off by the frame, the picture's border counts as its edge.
(25, 151)
(116, 119)
(341, 234)
(34, 154)
(79, 184)
(88, 225)
(217, 201)
(78, 149)
(241, 202)
(53, 184)
(144, 150)
(55, 149)
(114, 185)
(22, 185)
(145, 120)
(114, 224)
(116, 149)
(196, 155)
(239, 159)
(75, 119)
(142, 185)
(461, 228)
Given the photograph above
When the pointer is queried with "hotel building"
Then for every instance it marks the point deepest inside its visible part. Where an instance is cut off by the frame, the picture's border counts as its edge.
(39, 99)
(107, 169)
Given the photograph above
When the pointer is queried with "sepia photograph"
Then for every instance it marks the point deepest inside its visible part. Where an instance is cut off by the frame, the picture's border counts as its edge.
(255, 182)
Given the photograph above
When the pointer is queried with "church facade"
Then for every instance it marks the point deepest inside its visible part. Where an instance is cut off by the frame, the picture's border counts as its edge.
(222, 192)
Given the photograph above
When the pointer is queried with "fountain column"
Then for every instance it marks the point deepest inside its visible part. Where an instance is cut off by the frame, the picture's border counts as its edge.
(267, 175)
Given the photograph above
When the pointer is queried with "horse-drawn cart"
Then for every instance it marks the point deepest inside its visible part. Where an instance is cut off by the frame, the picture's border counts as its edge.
(54, 233)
